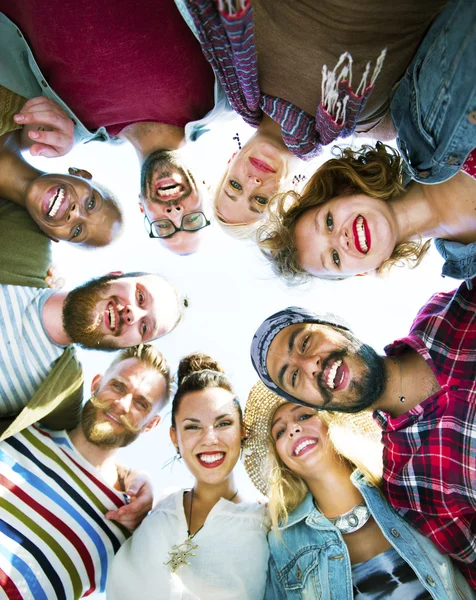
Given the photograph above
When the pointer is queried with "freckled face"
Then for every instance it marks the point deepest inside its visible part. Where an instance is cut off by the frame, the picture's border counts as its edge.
(301, 440)
(347, 235)
(72, 209)
(208, 433)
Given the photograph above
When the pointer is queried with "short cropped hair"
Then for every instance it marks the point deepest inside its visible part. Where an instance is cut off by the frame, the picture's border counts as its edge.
(153, 358)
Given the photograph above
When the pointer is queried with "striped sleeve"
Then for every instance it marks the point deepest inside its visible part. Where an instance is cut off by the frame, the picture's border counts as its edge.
(54, 539)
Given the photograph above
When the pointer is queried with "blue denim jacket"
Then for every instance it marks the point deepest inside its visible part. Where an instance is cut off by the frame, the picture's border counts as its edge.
(20, 73)
(313, 562)
(434, 110)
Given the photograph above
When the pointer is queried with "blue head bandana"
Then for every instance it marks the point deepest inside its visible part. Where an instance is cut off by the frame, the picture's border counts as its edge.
(270, 328)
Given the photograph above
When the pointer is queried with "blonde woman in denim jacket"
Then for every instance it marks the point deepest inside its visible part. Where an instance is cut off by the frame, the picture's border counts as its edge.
(334, 535)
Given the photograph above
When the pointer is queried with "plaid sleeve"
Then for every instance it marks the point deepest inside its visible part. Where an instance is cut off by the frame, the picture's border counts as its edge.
(447, 326)
(430, 451)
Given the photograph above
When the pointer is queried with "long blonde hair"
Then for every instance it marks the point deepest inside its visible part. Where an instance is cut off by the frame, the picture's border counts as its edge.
(375, 172)
(357, 448)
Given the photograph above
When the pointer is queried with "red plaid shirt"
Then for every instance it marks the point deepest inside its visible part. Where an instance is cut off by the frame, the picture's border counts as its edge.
(430, 451)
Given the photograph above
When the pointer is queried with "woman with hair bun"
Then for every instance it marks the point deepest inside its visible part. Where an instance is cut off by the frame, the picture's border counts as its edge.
(355, 217)
(205, 542)
(333, 533)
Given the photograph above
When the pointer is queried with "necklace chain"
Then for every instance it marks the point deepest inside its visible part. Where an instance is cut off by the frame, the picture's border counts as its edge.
(190, 535)
(180, 553)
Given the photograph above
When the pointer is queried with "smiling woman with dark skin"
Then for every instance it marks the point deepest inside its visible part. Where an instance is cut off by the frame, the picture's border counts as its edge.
(355, 217)
(65, 207)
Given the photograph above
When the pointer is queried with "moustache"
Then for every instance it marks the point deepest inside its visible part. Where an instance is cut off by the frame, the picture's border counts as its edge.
(124, 420)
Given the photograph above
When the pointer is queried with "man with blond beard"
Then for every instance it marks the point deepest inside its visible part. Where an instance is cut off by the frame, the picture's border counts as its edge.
(60, 491)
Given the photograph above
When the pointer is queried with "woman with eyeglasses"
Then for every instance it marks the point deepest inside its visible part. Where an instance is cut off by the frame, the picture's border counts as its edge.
(205, 542)
(333, 534)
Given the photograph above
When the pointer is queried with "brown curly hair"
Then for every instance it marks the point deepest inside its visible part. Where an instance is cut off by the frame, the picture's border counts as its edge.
(375, 172)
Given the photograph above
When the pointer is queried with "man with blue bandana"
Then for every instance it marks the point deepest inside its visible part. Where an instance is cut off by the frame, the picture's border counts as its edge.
(423, 394)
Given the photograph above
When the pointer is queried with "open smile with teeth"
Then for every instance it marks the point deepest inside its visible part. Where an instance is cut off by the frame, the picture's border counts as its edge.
(56, 202)
(113, 315)
(303, 445)
(211, 458)
(361, 234)
(169, 191)
(332, 373)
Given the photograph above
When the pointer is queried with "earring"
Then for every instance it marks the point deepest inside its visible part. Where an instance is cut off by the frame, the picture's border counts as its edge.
(244, 452)
(237, 138)
(175, 458)
(298, 179)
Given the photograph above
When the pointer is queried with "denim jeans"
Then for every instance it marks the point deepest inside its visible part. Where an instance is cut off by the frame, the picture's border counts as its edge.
(434, 105)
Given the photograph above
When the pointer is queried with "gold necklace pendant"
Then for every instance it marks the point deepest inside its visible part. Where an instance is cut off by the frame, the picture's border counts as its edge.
(180, 554)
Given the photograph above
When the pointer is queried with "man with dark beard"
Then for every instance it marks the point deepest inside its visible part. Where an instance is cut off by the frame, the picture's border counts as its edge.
(40, 379)
(423, 394)
(60, 492)
(106, 76)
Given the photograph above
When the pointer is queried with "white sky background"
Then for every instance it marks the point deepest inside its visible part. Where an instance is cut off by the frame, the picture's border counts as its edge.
(230, 287)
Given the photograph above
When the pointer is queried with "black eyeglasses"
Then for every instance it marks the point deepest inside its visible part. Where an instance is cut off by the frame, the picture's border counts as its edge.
(164, 228)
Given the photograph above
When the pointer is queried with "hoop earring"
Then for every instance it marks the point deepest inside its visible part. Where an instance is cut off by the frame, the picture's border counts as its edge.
(237, 138)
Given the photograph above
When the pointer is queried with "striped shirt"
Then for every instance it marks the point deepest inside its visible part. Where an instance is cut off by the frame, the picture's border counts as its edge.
(27, 353)
(54, 540)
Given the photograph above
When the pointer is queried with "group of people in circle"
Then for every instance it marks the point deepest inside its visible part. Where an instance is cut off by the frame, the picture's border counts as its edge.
(366, 462)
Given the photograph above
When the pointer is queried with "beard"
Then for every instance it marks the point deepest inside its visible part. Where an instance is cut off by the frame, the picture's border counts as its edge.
(160, 164)
(102, 433)
(363, 392)
(81, 320)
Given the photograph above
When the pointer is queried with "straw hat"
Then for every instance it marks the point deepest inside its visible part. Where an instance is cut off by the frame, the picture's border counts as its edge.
(260, 408)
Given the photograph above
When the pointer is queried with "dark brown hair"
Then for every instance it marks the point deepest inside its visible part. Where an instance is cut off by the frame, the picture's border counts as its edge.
(198, 372)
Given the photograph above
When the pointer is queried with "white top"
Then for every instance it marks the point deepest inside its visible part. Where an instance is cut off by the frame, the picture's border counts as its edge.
(230, 563)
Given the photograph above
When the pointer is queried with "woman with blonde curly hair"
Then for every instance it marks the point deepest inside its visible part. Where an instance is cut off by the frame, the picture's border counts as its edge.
(355, 217)
(334, 535)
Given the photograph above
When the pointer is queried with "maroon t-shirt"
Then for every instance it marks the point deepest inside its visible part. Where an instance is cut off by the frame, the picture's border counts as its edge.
(117, 62)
